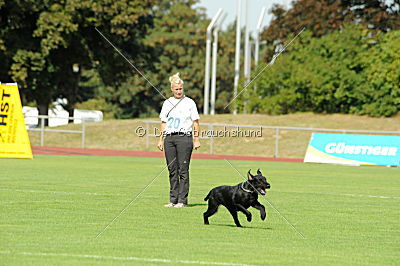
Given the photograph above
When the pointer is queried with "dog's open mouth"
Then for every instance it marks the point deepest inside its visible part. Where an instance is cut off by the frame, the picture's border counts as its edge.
(262, 191)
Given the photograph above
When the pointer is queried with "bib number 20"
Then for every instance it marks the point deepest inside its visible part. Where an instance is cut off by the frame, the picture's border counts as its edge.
(173, 122)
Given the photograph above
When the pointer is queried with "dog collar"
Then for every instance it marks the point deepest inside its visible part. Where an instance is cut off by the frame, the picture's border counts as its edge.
(246, 190)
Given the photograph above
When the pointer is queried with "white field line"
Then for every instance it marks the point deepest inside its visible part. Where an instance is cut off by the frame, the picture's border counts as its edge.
(116, 194)
(370, 196)
(35, 201)
(341, 194)
(63, 192)
(87, 256)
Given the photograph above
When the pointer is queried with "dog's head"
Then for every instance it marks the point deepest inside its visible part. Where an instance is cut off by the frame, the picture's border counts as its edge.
(259, 182)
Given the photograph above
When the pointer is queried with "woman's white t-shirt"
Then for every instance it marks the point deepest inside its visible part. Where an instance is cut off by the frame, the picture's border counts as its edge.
(179, 118)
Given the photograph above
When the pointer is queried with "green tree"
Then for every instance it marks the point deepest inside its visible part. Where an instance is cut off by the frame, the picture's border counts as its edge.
(178, 41)
(40, 41)
(346, 71)
(322, 17)
(380, 94)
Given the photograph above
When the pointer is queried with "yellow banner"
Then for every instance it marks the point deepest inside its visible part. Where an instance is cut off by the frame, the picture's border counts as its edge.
(14, 139)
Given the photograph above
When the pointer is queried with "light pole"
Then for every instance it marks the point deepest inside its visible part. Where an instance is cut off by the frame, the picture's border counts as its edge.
(258, 32)
(237, 53)
(207, 67)
(214, 62)
(257, 41)
(247, 44)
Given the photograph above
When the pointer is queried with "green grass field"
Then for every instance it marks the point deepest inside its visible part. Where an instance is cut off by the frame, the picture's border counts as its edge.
(52, 208)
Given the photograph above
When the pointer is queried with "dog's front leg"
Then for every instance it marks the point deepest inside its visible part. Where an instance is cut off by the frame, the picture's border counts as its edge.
(243, 209)
(261, 208)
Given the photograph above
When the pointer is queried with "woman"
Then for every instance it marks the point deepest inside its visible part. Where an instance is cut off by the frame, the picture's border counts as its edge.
(178, 115)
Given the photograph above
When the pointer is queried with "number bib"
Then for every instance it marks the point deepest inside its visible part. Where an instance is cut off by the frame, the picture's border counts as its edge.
(179, 115)
(173, 122)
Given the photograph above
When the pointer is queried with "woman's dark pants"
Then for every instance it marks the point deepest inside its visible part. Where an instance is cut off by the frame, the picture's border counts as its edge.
(178, 147)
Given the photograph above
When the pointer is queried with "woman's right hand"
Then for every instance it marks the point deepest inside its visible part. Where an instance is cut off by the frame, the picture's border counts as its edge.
(160, 145)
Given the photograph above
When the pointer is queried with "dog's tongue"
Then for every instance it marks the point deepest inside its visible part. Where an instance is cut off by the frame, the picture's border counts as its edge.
(262, 191)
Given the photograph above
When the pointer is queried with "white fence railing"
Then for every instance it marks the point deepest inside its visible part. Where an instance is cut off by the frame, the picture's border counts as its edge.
(276, 128)
(210, 127)
(42, 129)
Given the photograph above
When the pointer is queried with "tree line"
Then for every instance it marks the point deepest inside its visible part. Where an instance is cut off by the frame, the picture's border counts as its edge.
(347, 60)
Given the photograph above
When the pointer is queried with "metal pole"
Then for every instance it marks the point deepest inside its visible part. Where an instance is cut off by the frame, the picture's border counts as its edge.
(246, 51)
(211, 136)
(246, 43)
(42, 131)
(276, 143)
(257, 41)
(258, 31)
(214, 63)
(237, 54)
(83, 133)
(147, 136)
(207, 70)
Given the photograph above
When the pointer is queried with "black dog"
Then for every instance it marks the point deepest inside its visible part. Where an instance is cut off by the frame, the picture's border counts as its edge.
(238, 198)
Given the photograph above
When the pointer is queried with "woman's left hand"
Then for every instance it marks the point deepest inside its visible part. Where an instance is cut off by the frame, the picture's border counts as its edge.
(196, 144)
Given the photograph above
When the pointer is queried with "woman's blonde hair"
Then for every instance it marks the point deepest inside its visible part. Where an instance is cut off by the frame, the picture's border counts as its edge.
(175, 79)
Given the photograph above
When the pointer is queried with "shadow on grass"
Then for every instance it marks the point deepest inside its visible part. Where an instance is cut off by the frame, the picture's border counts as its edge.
(244, 227)
(196, 204)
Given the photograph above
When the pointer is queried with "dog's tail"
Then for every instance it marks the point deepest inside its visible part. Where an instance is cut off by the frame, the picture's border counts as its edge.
(208, 196)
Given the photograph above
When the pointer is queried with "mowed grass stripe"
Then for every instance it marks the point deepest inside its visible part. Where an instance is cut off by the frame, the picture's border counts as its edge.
(115, 194)
(97, 257)
(339, 229)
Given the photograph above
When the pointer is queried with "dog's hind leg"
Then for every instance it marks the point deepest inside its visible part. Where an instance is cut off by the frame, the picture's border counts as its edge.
(212, 209)
(233, 212)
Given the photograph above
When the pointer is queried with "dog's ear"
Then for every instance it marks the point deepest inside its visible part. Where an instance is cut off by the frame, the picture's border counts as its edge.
(259, 172)
(249, 175)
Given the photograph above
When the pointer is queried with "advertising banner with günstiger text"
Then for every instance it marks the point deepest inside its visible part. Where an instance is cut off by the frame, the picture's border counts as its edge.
(353, 149)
